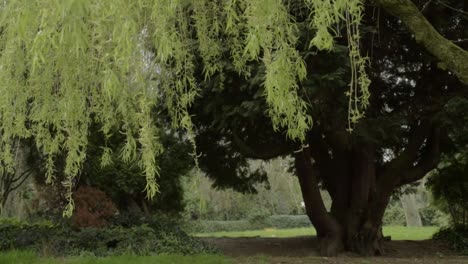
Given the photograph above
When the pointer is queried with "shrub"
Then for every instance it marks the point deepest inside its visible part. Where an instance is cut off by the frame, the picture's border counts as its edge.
(430, 216)
(206, 226)
(275, 221)
(449, 186)
(394, 216)
(154, 237)
(93, 207)
(455, 237)
(288, 221)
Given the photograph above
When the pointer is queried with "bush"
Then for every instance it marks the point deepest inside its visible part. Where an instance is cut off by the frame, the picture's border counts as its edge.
(93, 208)
(455, 237)
(394, 216)
(154, 237)
(288, 221)
(449, 186)
(430, 216)
(275, 221)
(205, 226)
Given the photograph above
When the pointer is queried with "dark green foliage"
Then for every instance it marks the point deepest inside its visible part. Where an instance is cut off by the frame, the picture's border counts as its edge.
(455, 237)
(274, 221)
(449, 186)
(394, 216)
(155, 237)
(288, 221)
(125, 182)
(432, 216)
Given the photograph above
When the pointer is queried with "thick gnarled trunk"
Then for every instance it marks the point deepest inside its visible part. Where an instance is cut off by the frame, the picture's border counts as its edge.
(359, 200)
(360, 186)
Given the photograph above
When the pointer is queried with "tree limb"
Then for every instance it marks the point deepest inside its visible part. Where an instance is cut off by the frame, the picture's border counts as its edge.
(451, 56)
(266, 152)
(429, 160)
(410, 153)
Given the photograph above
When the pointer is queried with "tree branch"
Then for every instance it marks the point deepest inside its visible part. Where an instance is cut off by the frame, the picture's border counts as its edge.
(451, 56)
(260, 152)
(410, 153)
(429, 160)
(323, 161)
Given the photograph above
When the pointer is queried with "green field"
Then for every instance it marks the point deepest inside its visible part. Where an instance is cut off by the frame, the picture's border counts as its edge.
(396, 232)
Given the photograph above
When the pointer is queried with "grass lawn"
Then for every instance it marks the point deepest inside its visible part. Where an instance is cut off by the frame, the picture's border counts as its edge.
(396, 232)
(24, 257)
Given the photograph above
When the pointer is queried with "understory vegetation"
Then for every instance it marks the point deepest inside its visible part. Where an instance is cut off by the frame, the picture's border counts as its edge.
(27, 257)
(455, 236)
(149, 238)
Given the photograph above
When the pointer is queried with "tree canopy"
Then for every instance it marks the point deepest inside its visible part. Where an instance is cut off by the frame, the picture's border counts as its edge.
(416, 115)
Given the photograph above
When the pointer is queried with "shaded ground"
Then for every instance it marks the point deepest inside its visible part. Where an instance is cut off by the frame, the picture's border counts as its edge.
(303, 250)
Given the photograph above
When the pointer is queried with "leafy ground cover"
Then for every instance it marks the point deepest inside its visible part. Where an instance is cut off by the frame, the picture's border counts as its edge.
(409, 245)
(27, 257)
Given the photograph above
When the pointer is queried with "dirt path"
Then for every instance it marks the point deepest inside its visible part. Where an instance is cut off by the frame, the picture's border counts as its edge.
(302, 250)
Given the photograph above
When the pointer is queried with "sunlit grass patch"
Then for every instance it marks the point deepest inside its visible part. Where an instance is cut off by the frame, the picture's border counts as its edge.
(396, 232)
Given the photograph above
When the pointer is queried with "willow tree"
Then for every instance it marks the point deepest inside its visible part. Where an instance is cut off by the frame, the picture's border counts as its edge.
(68, 64)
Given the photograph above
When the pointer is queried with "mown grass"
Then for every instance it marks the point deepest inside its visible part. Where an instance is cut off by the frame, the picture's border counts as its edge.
(24, 257)
(396, 232)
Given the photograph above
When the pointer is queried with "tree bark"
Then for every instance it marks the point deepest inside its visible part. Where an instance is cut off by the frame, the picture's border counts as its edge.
(329, 232)
(359, 185)
(451, 56)
(355, 221)
(363, 222)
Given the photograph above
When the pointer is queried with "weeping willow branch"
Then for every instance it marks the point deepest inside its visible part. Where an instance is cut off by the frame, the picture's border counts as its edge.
(325, 16)
(65, 65)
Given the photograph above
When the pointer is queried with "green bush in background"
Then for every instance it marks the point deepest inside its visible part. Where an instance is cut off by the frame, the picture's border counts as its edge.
(274, 221)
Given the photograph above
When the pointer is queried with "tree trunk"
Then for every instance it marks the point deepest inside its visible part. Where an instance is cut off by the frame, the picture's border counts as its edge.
(359, 184)
(367, 203)
(411, 210)
(355, 223)
(364, 231)
(329, 231)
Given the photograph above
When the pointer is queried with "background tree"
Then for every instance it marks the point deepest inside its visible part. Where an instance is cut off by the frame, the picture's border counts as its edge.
(449, 182)
(27, 163)
(125, 182)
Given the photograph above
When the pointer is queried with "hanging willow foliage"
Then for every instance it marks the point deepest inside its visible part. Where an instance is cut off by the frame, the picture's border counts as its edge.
(65, 64)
